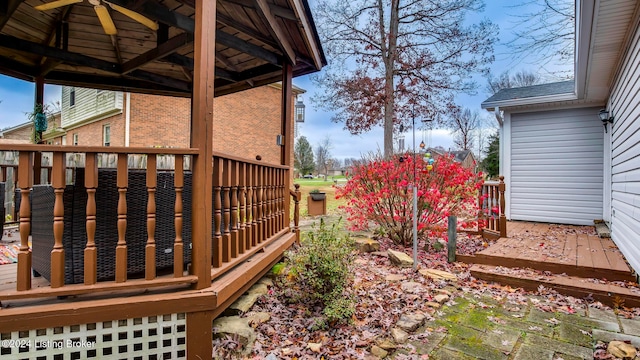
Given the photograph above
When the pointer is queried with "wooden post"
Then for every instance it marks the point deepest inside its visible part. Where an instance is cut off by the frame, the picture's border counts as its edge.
(90, 251)
(25, 178)
(39, 99)
(150, 248)
(199, 333)
(57, 254)
(122, 183)
(503, 218)
(178, 245)
(296, 213)
(451, 234)
(202, 138)
(287, 131)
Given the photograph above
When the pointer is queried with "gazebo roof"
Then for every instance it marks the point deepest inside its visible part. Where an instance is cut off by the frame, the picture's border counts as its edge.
(67, 45)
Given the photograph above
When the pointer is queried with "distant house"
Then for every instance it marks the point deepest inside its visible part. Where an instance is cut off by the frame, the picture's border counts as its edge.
(465, 157)
(247, 129)
(561, 165)
(23, 133)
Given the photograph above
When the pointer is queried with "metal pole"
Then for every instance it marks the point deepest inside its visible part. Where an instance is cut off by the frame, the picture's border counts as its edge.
(415, 201)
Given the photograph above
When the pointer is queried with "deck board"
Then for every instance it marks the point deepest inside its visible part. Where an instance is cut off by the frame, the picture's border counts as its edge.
(574, 250)
(584, 252)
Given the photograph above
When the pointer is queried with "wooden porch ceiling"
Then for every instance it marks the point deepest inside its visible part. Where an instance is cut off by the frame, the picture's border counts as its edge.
(68, 46)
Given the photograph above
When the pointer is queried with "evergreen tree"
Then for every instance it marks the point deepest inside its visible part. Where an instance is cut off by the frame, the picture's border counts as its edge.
(303, 156)
(491, 164)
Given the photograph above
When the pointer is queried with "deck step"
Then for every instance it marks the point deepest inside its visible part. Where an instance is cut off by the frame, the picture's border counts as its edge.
(579, 287)
(554, 267)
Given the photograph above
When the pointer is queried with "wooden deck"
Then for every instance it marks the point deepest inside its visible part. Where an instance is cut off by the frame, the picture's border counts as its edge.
(571, 259)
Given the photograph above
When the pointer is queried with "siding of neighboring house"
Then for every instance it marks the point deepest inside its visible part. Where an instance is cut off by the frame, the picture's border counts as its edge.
(625, 155)
(90, 105)
(556, 165)
(22, 133)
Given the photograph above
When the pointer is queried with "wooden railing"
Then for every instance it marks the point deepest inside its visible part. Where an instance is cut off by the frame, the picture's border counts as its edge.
(250, 207)
(491, 202)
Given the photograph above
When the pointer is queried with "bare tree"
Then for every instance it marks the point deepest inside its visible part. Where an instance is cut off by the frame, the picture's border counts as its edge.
(507, 81)
(464, 124)
(394, 59)
(545, 33)
(323, 155)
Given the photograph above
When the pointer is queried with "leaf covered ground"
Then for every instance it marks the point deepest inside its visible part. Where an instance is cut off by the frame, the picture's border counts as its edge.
(382, 295)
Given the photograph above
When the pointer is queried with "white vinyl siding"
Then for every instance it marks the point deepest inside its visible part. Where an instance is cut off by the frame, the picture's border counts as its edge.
(625, 156)
(90, 105)
(556, 166)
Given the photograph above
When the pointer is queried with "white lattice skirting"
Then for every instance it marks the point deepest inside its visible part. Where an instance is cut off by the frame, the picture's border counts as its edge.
(153, 337)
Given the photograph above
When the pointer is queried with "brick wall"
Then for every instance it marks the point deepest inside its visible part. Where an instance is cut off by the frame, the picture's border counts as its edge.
(161, 121)
(91, 134)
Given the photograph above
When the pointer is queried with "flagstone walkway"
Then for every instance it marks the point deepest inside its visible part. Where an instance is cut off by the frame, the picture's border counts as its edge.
(481, 328)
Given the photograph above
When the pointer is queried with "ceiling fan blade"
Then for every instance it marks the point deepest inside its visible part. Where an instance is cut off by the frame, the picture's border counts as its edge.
(135, 16)
(105, 20)
(55, 4)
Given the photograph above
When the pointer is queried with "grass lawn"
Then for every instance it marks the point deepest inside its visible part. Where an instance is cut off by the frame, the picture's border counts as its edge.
(306, 185)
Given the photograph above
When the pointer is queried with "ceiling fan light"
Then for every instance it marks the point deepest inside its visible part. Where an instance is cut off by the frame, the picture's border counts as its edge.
(105, 20)
(55, 4)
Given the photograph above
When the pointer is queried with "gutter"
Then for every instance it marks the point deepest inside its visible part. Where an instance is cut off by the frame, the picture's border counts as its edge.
(529, 101)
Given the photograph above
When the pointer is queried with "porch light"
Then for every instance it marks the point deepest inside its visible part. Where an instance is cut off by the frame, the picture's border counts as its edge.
(605, 118)
(299, 107)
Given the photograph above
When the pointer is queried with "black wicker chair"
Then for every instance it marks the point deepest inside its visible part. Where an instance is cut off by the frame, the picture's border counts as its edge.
(106, 236)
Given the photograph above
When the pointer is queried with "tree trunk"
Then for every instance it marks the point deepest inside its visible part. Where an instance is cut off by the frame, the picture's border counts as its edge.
(389, 54)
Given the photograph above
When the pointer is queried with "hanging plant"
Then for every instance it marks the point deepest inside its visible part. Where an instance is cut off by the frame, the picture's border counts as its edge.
(39, 118)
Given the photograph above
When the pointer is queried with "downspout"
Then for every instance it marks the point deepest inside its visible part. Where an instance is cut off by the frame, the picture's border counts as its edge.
(498, 115)
(127, 119)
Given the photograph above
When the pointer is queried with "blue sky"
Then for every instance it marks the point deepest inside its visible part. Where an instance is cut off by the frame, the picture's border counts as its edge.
(17, 98)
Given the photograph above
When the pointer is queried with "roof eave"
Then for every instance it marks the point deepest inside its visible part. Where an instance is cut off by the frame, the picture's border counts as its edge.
(490, 106)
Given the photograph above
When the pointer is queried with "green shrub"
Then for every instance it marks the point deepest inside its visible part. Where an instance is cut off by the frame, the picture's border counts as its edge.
(319, 271)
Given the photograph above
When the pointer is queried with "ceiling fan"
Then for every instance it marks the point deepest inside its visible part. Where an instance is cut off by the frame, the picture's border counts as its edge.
(103, 13)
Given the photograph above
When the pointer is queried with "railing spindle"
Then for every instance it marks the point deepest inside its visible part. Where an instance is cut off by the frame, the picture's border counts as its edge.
(226, 205)
(217, 212)
(57, 254)
(258, 214)
(250, 207)
(90, 251)
(269, 202)
(121, 248)
(23, 281)
(233, 224)
(242, 178)
(178, 245)
(150, 248)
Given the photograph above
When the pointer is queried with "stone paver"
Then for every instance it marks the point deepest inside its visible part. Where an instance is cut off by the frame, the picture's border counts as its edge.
(559, 346)
(608, 336)
(533, 352)
(630, 326)
(574, 334)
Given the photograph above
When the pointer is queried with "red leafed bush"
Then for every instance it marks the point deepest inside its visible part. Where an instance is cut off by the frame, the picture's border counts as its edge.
(379, 191)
